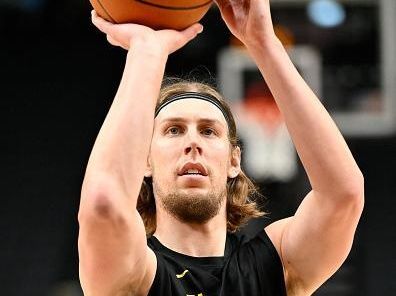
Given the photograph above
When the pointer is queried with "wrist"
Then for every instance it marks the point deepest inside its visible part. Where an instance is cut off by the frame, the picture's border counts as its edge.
(264, 45)
(262, 40)
(147, 48)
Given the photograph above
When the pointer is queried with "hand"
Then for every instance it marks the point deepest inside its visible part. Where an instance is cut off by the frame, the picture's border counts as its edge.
(248, 20)
(126, 35)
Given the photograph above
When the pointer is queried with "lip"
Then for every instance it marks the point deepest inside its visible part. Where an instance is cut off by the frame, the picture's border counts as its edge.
(193, 165)
(193, 177)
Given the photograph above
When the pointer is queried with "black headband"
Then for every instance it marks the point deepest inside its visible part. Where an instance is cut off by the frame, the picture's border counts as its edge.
(193, 95)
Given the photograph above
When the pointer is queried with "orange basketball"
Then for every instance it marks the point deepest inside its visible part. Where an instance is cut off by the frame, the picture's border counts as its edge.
(157, 14)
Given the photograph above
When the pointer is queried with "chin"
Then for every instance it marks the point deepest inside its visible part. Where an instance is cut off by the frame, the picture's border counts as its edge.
(197, 191)
(191, 206)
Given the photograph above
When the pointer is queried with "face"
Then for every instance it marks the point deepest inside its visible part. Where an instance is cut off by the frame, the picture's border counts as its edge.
(191, 159)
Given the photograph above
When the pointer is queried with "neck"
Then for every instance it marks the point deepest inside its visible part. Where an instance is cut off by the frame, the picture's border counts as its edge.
(198, 240)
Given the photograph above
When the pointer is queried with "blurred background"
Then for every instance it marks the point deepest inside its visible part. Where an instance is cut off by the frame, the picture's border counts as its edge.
(58, 77)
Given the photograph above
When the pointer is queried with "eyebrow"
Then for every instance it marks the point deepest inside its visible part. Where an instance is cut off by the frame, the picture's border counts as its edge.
(201, 120)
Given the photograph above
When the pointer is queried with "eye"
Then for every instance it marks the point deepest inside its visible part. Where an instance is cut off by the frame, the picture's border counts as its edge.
(174, 130)
(208, 131)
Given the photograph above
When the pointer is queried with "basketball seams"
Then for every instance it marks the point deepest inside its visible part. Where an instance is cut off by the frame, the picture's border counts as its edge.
(149, 13)
(173, 7)
(105, 11)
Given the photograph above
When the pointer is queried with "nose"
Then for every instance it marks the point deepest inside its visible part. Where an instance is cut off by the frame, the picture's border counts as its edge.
(193, 145)
(193, 149)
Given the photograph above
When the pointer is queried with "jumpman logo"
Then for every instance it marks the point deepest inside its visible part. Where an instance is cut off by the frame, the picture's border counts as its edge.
(179, 276)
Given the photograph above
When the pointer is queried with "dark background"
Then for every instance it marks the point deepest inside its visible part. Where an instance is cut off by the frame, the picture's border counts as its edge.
(58, 77)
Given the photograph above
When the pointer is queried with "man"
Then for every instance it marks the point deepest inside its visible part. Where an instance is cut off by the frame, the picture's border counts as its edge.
(185, 147)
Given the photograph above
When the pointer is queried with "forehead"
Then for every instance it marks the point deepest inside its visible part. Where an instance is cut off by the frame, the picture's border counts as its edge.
(191, 109)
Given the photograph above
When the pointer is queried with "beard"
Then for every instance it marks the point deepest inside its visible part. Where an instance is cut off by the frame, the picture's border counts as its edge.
(191, 208)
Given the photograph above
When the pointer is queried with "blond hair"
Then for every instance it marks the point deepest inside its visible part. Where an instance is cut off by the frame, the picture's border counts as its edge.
(241, 191)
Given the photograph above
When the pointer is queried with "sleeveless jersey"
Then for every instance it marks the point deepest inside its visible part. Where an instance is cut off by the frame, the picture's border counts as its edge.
(249, 267)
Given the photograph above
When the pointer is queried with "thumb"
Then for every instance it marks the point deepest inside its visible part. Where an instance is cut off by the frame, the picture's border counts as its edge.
(192, 31)
(184, 36)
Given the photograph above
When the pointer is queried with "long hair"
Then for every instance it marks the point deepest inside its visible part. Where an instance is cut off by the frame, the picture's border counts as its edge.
(241, 192)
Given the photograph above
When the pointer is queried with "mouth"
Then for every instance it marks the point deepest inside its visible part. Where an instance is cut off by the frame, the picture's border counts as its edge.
(193, 170)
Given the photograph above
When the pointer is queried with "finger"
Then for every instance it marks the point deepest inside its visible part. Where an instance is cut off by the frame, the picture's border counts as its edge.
(192, 31)
(222, 4)
(183, 37)
(100, 23)
(187, 35)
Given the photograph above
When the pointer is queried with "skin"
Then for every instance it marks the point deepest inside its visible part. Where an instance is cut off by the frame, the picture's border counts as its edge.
(192, 138)
(114, 257)
(180, 136)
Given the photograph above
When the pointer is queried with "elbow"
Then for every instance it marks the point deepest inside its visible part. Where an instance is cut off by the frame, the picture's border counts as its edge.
(353, 195)
(356, 190)
(97, 203)
(95, 208)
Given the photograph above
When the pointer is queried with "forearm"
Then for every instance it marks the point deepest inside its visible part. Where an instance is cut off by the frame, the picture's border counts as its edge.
(122, 146)
(325, 155)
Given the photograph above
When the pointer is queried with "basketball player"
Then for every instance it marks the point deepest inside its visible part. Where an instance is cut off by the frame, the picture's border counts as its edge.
(184, 147)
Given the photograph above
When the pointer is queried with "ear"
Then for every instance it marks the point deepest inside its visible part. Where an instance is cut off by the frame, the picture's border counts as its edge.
(148, 171)
(235, 163)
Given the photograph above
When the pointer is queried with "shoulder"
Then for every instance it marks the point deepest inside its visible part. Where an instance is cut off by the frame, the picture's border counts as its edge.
(262, 239)
(167, 266)
(275, 232)
(257, 262)
(258, 250)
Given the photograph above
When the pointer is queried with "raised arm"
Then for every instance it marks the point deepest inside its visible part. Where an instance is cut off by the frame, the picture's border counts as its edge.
(114, 257)
(316, 240)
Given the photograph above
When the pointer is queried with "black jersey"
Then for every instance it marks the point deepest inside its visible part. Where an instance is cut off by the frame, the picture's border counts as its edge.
(248, 268)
